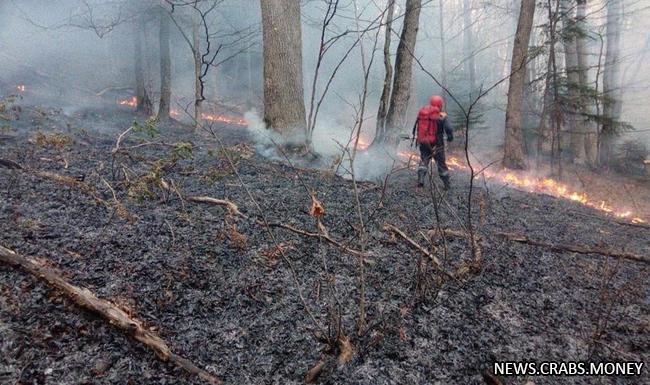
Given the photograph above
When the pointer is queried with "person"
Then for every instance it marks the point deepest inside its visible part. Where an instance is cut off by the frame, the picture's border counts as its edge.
(431, 125)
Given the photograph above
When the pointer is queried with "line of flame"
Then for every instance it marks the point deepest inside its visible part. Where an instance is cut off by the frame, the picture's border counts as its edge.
(538, 185)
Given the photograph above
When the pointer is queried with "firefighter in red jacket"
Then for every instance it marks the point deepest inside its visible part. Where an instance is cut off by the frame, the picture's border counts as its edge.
(430, 127)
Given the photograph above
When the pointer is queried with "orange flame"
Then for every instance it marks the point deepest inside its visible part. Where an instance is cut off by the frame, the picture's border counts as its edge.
(547, 186)
(224, 119)
(131, 102)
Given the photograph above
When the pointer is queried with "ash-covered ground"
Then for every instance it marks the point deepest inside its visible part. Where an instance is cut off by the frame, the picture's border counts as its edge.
(218, 290)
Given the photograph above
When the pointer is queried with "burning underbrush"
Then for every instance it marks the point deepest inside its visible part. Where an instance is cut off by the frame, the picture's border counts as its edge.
(212, 116)
(255, 271)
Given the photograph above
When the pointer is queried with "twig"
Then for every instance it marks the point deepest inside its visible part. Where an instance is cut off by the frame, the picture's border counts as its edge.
(232, 208)
(322, 234)
(393, 229)
(120, 138)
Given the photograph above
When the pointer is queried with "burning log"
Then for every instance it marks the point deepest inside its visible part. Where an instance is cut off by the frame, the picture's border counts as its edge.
(117, 317)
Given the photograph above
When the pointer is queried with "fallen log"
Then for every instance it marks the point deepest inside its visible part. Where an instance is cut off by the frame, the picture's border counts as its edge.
(117, 317)
(579, 249)
(58, 178)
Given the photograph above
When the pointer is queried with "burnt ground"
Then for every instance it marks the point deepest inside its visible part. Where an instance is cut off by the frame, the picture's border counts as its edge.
(217, 289)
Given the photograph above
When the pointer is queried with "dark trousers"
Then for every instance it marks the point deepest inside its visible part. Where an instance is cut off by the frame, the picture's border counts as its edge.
(437, 152)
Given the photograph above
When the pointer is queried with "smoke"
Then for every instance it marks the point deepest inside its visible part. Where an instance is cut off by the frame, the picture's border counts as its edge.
(332, 143)
(48, 46)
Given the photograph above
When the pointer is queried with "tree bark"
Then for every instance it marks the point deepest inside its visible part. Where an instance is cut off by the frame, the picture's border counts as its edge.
(401, 94)
(443, 45)
(513, 156)
(284, 104)
(574, 106)
(587, 102)
(198, 66)
(612, 105)
(384, 100)
(468, 48)
(144, 106)
(165, 67)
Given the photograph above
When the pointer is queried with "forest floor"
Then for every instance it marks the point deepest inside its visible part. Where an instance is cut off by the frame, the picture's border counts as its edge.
(233, 300)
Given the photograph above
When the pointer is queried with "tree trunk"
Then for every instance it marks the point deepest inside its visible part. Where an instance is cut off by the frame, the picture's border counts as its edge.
(144, 106)
(612, 105)
(468, 48)
(513, 156)
(384, 100)
(284, 104)
(165, 68)
(543, 145)
(198, 66)
(587, 102)
(574, 105)
(396, 118)
(443, 45)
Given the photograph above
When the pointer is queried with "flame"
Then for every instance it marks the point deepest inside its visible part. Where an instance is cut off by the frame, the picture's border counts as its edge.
(547, 186)
(363, 144)
(131, 102)
(21, 88)
(224, 119)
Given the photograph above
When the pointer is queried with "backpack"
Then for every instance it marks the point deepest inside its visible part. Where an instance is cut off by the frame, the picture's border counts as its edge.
(428, 124)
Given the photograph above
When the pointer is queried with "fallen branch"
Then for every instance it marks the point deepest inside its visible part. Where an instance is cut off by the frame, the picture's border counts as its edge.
(62, 179)
(232, 208)
(519, 238)
(323, 235)
(114, 315)
(67, 181)
(395, 230)
(10, 164)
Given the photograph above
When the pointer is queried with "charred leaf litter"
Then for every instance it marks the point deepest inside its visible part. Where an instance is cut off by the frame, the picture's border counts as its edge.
(217, 289)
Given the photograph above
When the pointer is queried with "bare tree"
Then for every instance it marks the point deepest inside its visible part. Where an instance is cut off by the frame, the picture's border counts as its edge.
(396, 118)
(198, 65)
(513, 156)
(573, 107)
(612, 105)
(165, 67)
(384, 100)
(443, 45)
(468, 46)
(587, 101)
(144, 106)
(284, 107)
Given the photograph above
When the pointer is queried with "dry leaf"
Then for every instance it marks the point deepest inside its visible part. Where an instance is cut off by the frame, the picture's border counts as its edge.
(313, 373)
(346, 350)
(402, 334)
(317, 209)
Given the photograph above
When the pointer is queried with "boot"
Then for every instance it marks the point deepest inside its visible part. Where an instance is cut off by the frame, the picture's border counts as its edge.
(422, 175)
(445, 182)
